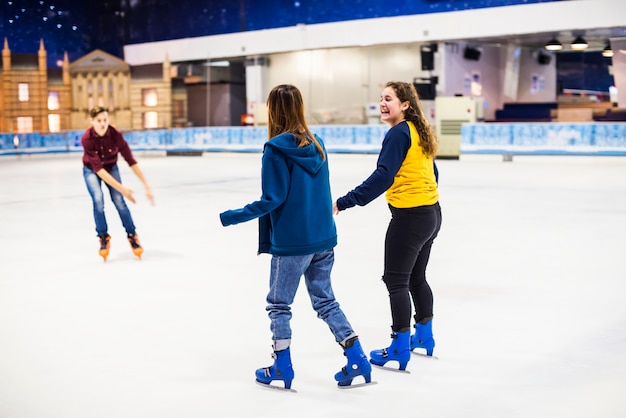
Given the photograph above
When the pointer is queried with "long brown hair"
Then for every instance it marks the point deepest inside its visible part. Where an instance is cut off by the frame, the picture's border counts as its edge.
(285, 109)
(406, 93)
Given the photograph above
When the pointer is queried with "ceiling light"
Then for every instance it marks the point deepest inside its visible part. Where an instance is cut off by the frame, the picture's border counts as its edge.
(579, 43)
(553, 45)
(607, 51)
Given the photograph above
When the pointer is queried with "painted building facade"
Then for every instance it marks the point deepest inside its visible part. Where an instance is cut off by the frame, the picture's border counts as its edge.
(34, 98)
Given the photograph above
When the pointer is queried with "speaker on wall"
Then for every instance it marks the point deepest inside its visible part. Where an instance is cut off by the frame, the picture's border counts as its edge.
(427, 55)
(428, 60)
(425, 91)
(426, 87)
(544, 59)
(472, 54)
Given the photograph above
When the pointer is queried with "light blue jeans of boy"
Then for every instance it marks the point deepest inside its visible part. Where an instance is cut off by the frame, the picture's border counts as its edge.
(94, 186)
(285, 275)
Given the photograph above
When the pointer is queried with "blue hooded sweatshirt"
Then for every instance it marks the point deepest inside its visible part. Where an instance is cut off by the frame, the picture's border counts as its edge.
(295, 208)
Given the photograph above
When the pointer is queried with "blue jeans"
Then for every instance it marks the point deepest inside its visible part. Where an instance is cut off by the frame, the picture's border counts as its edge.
(284, 279)
(94, 186)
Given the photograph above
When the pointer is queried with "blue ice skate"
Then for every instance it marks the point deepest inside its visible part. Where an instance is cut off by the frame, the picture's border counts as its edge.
(280, 370)
(357, 364)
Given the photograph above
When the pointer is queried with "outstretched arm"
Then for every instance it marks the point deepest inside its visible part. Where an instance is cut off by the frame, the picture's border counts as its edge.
(275, 187)
(393, 152)
(110, 180)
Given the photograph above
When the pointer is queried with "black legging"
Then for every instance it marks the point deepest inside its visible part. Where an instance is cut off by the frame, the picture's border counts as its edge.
(409, 238)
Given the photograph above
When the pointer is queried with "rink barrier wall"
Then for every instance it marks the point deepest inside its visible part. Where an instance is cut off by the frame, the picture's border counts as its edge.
(549, 138)
(476, 138)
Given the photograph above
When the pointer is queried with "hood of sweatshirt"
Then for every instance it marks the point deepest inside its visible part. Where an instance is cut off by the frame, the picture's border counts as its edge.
(306, 157)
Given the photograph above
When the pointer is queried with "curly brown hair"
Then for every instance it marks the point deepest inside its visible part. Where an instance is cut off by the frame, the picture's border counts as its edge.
(406, 93)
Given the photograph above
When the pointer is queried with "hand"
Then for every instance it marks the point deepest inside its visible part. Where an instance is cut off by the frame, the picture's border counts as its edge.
(150, 196)
(128, 194)
(335, 209)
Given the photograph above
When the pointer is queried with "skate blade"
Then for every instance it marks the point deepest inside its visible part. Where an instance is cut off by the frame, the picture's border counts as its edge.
(391, 369)
(425, 355)
(269, 386)
(358, 385)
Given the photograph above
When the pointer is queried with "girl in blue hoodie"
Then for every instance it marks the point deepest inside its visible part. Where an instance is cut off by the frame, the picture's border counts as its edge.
(297, 228)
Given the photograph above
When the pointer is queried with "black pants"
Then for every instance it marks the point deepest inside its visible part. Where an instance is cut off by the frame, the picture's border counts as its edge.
(409, 238)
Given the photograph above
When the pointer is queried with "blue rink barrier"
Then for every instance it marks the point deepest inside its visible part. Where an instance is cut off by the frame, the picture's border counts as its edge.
(338, 138)
(476, 138)
(550, 138)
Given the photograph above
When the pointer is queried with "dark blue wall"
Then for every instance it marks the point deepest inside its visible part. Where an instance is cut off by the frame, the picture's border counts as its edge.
(584, 71)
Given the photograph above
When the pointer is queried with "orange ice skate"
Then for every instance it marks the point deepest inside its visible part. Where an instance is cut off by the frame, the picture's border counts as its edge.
(105, 244)
(135, 245)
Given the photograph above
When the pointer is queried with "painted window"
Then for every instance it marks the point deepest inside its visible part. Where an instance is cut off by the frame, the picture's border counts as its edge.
(53, 100)
(149, 97)
(54, 122)
(150, 120)
(24, 124)
(22, 92)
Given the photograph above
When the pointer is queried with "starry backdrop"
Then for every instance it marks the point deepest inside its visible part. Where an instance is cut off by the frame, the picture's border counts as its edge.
(80, 26)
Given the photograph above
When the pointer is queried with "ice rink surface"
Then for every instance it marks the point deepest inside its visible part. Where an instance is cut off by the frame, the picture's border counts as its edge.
(528, 274)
